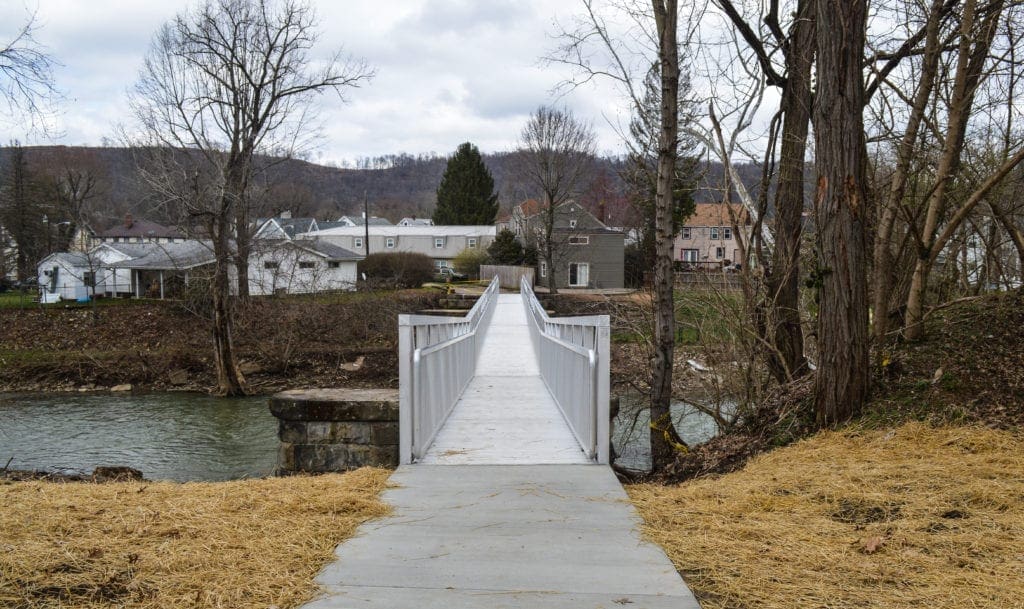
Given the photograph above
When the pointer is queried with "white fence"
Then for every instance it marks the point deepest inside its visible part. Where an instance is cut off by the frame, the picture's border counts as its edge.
(437, 359)
(509, 276)
(574, 355)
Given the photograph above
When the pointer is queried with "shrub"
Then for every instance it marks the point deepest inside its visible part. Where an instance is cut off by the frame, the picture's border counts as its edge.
(400, 269)
(505, 249)
(468, 261)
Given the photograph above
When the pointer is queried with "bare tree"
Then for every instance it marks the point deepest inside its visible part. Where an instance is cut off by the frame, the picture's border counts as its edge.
(556, 159)
(223, 87)
(841, 207)
(26, 77)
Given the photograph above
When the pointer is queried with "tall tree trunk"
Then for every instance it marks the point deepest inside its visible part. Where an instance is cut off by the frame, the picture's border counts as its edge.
(882, 258)
(229, 379)
(662, 432)
(787, 361)
(841, 384)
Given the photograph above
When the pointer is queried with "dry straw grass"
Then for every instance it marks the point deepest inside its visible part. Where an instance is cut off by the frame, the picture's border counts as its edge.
(253, 543)
(915, 517)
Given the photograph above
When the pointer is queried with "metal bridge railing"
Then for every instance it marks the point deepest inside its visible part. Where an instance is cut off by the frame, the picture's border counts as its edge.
(437, 359)
(573, 353)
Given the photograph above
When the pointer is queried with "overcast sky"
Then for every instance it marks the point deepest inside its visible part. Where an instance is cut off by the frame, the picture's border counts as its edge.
(448, 71)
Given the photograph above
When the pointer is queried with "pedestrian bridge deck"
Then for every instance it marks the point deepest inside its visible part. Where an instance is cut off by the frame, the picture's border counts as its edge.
(505, 508)
(506, 416)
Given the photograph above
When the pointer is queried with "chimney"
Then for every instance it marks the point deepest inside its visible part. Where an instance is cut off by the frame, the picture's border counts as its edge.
(128, 221)
(601, 211)
(287, 214)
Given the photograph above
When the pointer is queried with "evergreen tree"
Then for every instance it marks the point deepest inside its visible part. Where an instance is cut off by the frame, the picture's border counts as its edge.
(506, 249)
(466, 194)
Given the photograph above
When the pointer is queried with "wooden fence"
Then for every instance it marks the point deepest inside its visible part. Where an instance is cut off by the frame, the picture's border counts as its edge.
(508, 276)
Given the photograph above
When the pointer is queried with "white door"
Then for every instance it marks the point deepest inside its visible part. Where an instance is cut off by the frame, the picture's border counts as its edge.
(579, 274)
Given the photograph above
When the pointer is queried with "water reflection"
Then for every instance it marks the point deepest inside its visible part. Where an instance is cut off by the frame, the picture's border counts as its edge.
(168, 436)
(631, 437)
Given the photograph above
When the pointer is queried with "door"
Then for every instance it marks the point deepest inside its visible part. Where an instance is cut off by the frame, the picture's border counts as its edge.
(579, 274)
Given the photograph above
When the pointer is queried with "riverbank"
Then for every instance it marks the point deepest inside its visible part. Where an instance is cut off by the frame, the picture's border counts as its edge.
(346, 339)
(145, 545)
(910, 517)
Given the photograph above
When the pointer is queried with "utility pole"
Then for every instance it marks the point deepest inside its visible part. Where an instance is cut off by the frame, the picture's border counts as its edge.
(366, 224)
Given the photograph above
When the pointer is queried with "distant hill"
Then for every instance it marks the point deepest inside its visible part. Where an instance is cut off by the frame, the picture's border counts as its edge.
(393, 185)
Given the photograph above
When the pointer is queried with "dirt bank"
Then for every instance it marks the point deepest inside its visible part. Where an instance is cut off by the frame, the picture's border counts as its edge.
(346, 339)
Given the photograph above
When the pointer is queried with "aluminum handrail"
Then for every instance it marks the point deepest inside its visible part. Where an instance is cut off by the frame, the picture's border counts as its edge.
(573, 353)
(437, 359)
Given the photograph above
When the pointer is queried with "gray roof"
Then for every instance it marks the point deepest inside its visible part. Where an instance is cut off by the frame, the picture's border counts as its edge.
(327, 250)
(290, 226)
(69, 259)
(132, 228)
(325, 225)
(165, 256)
(358, 221)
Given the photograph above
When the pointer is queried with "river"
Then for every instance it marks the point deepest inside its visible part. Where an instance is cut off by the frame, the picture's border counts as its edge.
(189, 437)
(168, 436)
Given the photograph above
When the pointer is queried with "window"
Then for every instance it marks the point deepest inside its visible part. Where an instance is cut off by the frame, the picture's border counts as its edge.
(438, 243)
(543, 268)
(471, 242)
(572, 223)
(689, 255)
(719, 253)
(89, 278)
(714, 232)
(270, 264)
(333, 264)
(440, 264)
(307, 264)
(686, 233)
(579, 274)
(357, 242)
(584, 240)
(726, 233)
(390, 243)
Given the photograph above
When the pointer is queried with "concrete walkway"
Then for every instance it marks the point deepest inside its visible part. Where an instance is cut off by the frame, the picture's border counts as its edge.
(504, 511)
(537, 536)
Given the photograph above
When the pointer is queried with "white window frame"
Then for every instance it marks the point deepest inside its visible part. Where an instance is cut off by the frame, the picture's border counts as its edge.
(579, 240)
(585, 266)
(438, 243)
(727, 232)
(719, 253)
(686, 234)
(389, 243)
(572, 223)
(471, 243)
(357, 242)
(307, 264)
(689, 255)
(543, 268)
(714, 232)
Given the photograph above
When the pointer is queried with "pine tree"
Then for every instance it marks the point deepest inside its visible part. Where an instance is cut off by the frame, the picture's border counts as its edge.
(506, 249)
(466, 194)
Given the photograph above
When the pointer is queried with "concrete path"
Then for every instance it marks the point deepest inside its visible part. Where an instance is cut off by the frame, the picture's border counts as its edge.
(506, 415)
(503, 537)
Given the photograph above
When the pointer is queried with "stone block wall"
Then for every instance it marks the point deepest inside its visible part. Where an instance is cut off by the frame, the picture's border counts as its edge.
(334, 430)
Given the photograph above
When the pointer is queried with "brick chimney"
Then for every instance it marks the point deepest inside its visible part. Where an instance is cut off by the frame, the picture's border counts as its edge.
(128, 221)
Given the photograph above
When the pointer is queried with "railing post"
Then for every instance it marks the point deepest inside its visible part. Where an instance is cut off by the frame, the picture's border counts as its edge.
(405, 389)
(603, 348)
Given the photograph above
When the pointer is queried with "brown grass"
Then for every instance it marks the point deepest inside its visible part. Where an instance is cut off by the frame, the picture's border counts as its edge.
(913, 517)
(254, 543)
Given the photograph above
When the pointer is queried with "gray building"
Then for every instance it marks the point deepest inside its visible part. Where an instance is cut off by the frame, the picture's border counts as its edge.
(585, 252)
(442, 243)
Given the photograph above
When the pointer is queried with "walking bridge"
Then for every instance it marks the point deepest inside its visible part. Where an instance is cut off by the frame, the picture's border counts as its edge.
(504, 497)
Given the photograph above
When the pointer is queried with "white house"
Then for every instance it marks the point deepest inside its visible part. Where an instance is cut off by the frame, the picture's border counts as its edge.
(414, 221)
(284, 227)
(65, 276)
(442, 243)
(300, 266)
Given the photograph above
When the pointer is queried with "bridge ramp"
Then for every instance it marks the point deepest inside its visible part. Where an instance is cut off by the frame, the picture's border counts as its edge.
(506, 415)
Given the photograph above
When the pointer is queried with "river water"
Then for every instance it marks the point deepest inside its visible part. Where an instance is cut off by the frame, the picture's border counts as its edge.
(168, 436)
(186, 437)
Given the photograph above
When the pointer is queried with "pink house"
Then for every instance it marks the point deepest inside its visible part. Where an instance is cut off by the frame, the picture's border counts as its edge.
(708, 239)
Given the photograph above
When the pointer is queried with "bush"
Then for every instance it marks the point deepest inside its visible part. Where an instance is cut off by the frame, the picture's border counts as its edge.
(506, 250)
(635, 266)
(400, 270)
(468, 261)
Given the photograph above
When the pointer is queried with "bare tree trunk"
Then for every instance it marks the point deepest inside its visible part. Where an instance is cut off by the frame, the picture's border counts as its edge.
(229, 379)
(787, 361)
(842, 381)
(243, 245)
(662, 431)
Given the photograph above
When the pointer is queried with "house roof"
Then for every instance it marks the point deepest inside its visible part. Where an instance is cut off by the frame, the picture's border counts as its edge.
(717, 214)
(321, 248)
(529, 207)
(68, 259)
(412, 221)
(132, 227)
(358, 221)
(409, 231)
(580, 230)
(290, 226)
(165, 256)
